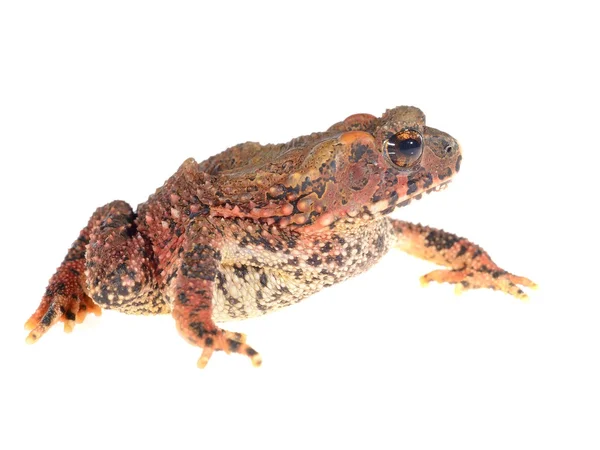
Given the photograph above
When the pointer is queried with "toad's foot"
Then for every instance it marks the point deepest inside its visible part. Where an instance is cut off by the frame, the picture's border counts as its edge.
(484, 277)
(64, 301)
(469, 266)
(228, 342)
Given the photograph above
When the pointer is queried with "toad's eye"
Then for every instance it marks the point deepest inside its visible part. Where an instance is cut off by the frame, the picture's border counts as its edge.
(404, 148)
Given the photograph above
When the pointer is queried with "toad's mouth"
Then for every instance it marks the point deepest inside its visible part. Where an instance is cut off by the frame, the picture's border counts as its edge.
(440, 187)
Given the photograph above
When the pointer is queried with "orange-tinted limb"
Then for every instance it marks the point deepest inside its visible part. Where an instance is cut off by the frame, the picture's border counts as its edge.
(65, 298)
(192, 293)
(469, 266)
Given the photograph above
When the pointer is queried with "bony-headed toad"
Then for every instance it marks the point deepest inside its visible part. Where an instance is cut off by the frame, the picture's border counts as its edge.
(256, 228)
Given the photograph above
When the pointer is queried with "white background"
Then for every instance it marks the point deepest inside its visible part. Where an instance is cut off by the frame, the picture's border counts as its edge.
(102, 101)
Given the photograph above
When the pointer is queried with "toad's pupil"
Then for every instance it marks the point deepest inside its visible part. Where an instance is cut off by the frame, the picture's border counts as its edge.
(409, 146)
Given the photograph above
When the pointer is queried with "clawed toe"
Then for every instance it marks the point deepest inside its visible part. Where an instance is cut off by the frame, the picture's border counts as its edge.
(229, 342)
(59, 308)
(470, 278)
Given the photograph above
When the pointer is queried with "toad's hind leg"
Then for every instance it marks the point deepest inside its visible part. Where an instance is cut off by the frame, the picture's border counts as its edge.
(121, 270)
(109, 265)
(469, 266)
(192, 293)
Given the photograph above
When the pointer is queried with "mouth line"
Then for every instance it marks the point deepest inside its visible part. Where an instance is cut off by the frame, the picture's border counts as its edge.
(440, 187)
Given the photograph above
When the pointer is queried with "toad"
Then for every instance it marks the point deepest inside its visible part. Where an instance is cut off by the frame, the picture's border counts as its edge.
(260, 227)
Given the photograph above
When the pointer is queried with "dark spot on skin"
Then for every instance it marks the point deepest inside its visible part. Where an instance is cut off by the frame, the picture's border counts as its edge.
(101, 297)
(198, 328)
(171, 276)
(462, 251)
(59, 288)
(314, 260)
(444, 175)
(284, 290)
(497, 273)
(465, 283)
(263, 279)
(327, 247)
(221, 283)
(339, 239)
(202, 212)
(251, 351)
(293, 261)
(380, 243)
(261, 306)
(458, 161)
(320, 186)
(49, 316)
(182, 298)
(240, 272)
(125, 291)
(428, 181)
(357, 152)
(70, 315)
(264, 243)
(259, 295)
(440, 241)
(389, 209)
(233, 345)
(208, 342)
(298, 273)
(232, 300)
(200, 262)
(305, 184)
(412, 188)
(46, 320)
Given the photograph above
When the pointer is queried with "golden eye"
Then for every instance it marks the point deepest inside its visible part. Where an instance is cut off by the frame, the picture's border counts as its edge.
(404, 148)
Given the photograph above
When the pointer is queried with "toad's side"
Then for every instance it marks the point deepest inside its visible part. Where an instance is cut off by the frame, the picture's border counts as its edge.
(257, 228)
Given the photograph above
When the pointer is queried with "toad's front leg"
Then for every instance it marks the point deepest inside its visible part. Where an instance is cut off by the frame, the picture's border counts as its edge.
(192, 293)
(470, 267)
